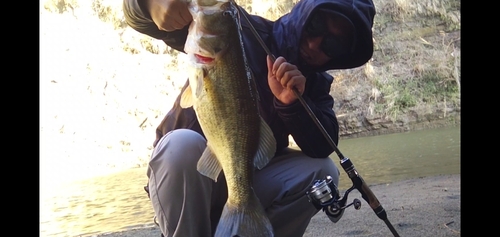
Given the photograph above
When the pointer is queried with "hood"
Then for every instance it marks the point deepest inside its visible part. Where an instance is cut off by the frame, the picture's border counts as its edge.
(291, 25)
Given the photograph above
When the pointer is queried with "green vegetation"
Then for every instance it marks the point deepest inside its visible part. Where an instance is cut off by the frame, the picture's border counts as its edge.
(416, 59)
(124, 82)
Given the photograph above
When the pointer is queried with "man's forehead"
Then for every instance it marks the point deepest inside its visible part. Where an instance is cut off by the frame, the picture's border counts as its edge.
(334, 15)
(338, 21)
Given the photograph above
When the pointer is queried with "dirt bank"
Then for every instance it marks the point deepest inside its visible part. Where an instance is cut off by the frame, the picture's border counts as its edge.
(421, 207)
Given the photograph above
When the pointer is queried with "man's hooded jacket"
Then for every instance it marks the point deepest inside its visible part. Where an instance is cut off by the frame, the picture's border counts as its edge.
(282, 37)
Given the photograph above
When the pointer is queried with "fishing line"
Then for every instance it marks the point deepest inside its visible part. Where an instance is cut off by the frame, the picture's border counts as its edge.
(346, 163)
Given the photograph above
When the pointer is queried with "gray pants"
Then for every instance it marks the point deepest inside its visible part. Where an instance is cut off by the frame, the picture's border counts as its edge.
(188, 204)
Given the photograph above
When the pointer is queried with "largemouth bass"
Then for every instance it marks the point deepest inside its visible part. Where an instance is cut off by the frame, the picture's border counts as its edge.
(224, 97)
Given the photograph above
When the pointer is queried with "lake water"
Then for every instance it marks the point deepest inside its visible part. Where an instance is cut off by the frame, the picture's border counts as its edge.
(117, 202)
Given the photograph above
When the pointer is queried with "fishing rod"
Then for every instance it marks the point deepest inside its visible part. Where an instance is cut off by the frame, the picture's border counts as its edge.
(320, 193)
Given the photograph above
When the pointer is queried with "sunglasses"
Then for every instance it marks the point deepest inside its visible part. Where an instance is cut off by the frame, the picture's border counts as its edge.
(332, 45)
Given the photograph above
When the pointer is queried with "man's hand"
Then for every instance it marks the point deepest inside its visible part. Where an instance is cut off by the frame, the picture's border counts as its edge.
(282, 78)
(169, 15)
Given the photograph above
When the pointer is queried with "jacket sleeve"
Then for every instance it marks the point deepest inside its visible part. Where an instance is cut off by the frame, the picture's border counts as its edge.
(302, 127)
(139, 19)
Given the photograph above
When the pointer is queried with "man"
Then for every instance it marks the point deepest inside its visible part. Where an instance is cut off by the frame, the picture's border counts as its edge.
(317, 35)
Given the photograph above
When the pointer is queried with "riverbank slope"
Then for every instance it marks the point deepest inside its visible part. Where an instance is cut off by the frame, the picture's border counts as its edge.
(104, 87)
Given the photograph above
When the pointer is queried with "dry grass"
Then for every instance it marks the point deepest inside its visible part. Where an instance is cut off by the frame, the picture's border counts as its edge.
(105, 87)
(416, 61)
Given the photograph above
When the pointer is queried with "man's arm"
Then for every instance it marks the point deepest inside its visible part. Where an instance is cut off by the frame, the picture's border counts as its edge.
(302, 127)
(139, 18)
(283, 78)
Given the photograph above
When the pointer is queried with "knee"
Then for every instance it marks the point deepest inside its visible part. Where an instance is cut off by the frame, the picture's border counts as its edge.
(329, 168)
(322, 167)
(180, 148)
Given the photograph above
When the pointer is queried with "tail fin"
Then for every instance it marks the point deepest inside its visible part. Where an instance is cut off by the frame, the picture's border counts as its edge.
(244, 221)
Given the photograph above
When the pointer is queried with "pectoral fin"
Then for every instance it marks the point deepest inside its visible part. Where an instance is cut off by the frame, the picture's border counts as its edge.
(187, 98)
(208, 164)
(194, 89)
(267, 146)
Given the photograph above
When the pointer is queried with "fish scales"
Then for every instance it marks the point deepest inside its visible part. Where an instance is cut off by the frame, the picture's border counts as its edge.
(224, 98)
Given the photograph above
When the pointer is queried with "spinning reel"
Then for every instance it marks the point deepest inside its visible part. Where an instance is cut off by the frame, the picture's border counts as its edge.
(324, 194)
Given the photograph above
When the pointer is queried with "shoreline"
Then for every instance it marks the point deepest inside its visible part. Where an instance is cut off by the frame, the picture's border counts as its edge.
(425, 206)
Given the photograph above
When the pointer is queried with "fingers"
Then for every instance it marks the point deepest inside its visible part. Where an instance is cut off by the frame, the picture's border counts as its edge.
(270, 71)
(183, 18)
(290, 79)
(277, 64)
(287, 74)
(185, 15)
(283, 77)
(176, 20)
(170, 15)
(172, 26)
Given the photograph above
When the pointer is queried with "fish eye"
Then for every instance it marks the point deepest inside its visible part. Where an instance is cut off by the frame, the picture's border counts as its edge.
(227, 13)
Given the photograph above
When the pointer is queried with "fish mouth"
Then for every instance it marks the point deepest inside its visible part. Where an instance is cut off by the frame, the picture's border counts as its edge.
(203, 59)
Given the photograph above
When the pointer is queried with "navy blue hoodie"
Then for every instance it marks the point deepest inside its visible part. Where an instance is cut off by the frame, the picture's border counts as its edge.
(282, 37)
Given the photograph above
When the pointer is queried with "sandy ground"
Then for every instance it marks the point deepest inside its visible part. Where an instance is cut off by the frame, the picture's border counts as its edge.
(428, 206)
